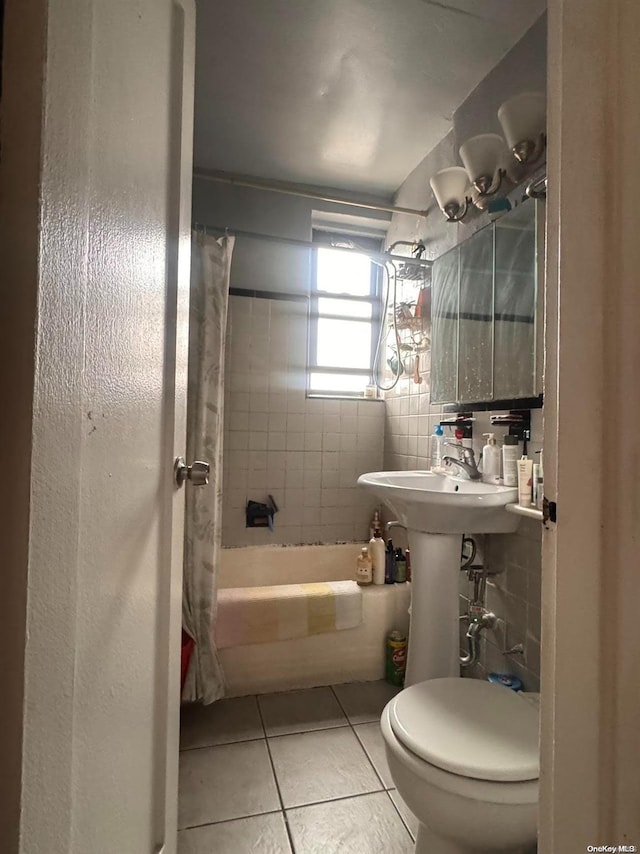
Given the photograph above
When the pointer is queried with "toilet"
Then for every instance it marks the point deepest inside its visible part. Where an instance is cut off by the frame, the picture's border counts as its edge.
(464, 756)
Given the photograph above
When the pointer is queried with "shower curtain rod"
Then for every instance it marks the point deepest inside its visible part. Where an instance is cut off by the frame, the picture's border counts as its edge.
(303, 190)
(308, 244)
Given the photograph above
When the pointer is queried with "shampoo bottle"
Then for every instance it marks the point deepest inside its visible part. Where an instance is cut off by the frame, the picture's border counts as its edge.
(378, 556)
(490, 460)
(364, 575)
(390, 564)
(538, 483)
(510, 461)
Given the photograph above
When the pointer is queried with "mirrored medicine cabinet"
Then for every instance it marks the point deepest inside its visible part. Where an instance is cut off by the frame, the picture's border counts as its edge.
(486, 321)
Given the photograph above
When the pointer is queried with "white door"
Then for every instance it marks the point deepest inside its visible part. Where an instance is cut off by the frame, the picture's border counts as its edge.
(103, 304)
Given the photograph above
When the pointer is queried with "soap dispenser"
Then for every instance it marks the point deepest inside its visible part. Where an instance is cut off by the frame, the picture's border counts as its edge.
(490, 460)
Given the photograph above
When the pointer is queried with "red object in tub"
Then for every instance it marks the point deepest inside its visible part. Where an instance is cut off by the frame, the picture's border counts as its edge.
(188, 644)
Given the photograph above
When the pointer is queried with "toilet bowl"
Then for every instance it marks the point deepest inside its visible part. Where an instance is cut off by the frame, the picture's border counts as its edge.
(463, 754)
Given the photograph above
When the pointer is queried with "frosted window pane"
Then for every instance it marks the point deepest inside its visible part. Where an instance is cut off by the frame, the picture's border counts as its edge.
(343, 273)
(345, 307)
(344, 343)
(338, 382)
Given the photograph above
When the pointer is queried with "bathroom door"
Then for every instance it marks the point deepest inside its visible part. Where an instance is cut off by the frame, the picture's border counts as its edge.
(96, 190)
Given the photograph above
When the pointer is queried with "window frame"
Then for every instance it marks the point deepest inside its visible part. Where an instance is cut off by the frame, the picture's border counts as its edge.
(315, 295)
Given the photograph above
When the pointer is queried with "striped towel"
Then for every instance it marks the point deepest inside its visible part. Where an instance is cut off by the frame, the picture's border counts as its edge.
(248, 615)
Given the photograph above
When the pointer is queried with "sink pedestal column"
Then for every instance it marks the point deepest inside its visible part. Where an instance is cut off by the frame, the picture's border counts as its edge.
(433, 631)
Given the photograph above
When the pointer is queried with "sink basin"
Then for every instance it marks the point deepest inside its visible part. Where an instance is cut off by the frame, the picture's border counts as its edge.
(442, 504)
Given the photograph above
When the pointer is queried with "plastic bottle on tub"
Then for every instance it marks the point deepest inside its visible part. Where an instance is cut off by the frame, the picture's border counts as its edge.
(377, 554)
(390, 564)
(364, 572)
(375, 525)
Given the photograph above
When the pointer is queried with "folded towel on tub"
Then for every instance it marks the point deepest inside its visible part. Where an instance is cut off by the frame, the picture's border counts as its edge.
(249, 615)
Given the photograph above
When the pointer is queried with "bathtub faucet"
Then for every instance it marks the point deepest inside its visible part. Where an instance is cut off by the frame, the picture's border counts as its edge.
(394, 524)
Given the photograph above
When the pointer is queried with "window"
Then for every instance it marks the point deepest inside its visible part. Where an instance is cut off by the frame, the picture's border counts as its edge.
(344, 318)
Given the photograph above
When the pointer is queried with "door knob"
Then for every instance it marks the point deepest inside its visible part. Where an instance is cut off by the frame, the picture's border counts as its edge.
(197, 473)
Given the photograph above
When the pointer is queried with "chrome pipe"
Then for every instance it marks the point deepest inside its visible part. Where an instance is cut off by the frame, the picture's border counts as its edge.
(486, 621)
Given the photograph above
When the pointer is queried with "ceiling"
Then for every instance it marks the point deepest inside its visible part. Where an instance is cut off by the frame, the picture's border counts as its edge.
(341, 93)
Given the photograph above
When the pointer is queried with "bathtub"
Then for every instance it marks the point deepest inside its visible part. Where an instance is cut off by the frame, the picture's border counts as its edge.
(350, 655)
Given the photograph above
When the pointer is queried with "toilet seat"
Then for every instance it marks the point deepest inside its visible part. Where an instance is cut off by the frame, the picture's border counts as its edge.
(467, 727)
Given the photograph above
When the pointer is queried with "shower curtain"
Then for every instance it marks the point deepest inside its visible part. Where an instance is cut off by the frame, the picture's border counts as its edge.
(210, 272)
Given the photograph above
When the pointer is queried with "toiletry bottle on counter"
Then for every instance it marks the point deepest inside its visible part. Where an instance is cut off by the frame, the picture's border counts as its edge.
(538, 484)
(375, 524)
(407, 557)
(525, 478)
(510, 453)
(490, 460)
(378, 556)
(390, 564)
(436, 447)
(401, 567)
(364, 573)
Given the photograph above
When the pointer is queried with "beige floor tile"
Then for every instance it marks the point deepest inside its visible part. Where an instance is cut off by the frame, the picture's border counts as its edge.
(363, 702)
(365, 825)
(408, 817)
(370, 736)
(318, 766)
(301, 711)
(261, 834)
(224, 782)
(237, 719)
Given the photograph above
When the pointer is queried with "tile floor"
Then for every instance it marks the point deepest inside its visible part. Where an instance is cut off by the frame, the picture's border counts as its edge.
(303, 772)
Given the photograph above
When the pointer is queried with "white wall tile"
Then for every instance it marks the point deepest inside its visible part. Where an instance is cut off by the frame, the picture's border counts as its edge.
(295, 441)
(331, 441)
(277, 441)
(313, 441)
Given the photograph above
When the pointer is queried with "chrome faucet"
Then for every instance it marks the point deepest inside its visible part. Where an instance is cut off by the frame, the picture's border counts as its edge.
(466, 460)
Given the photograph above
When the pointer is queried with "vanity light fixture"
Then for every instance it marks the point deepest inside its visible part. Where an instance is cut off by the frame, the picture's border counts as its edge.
(484, 157)
(523, 120)
(450, 187)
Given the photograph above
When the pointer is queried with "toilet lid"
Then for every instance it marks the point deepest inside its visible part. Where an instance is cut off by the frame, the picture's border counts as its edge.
(468, 727)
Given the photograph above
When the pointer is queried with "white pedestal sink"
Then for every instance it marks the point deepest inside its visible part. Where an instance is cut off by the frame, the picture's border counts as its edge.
(436, 510)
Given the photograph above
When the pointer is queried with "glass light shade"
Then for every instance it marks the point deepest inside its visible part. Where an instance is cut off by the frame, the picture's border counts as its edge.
(450, 186)
(523, 118)
(483, 155)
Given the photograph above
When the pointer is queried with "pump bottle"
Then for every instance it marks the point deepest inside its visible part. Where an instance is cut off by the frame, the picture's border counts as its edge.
(490, 460)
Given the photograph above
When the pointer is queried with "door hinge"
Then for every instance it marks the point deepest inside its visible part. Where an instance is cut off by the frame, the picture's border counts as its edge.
(549, 511)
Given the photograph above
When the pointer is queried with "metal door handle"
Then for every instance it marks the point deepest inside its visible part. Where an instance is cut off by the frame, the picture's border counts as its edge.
(197, 473)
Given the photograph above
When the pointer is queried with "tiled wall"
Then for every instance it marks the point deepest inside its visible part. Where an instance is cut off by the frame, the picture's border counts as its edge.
(307, 453)
(514, 596)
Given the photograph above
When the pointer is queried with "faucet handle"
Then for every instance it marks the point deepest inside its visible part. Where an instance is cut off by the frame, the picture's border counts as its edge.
(464, 453)
(458, 447)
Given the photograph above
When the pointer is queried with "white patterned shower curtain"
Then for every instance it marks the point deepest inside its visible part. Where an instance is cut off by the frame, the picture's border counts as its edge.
(210, 272)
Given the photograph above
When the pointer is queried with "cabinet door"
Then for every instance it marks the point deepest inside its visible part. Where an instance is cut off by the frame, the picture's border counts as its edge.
(475, 332)
(515, 304)
(444, 327)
